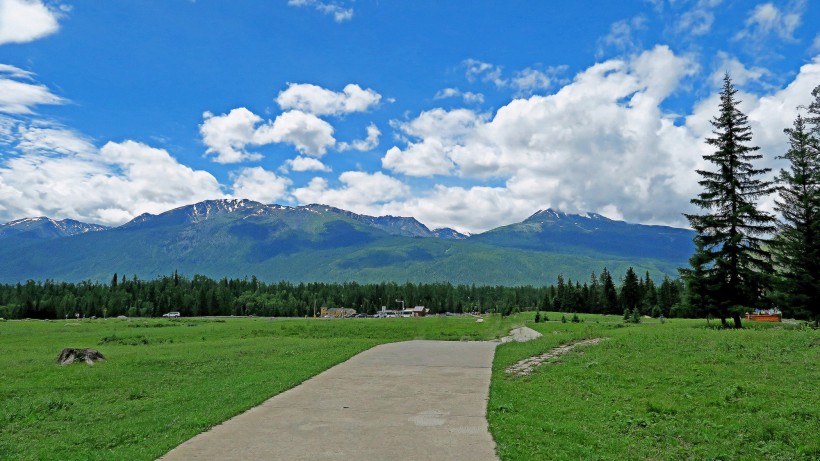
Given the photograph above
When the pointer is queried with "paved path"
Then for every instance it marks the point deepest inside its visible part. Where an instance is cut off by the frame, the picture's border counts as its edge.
(415, 400)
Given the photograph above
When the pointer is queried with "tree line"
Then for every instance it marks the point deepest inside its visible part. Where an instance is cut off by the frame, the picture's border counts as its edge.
(202, 296)
(745, 257)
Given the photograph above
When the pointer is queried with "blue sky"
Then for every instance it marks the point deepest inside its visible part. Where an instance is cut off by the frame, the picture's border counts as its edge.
(462, 114)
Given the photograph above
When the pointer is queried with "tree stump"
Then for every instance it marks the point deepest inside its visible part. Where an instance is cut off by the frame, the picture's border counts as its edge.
(71, 354)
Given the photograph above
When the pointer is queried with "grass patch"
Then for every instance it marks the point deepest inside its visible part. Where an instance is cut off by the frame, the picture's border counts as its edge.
(660, 391)
(168, 380)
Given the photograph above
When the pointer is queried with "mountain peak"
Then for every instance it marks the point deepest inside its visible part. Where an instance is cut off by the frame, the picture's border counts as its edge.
(554, 215)
(42, 227)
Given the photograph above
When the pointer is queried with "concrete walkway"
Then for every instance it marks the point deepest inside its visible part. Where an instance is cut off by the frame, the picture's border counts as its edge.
(415, 400)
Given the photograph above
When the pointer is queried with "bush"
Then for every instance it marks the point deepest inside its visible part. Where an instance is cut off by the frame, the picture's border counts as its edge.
(575, 318)
(563, 318)
(537, 317)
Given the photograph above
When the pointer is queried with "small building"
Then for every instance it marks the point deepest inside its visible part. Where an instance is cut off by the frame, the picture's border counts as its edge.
(418, 311)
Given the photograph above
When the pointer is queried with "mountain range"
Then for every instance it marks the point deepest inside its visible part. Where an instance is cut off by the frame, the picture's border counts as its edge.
(238, 238)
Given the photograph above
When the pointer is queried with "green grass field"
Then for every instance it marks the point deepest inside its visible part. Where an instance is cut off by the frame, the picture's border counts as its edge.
(676, 390)
(165, 381)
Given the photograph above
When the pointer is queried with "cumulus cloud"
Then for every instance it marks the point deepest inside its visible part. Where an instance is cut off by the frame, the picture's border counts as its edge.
(316, 100)
(227, 135)
(305, 164)
(23, 21)
(437, 136)
(340, 13)
(109, 186)
(259, 184)
(306, 132)
(359, 191)
(366, 144)
(606, 124)
(602, 143)
(464, 209)
(19, 94)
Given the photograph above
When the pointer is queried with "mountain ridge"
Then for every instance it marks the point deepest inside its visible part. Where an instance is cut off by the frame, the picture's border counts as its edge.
(322, 243)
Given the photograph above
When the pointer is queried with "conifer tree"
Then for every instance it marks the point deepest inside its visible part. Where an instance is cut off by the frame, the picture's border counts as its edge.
(731, 227)
(609, 295)
(630, 291)
(797, 245)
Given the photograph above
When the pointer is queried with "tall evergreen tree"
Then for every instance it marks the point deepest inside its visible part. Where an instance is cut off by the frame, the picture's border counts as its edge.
(609, 295)
(731, 227)
(797, 245)
(650, 293)
(630, 292)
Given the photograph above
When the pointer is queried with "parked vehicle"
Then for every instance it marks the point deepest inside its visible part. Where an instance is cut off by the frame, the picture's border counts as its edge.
(172, 315)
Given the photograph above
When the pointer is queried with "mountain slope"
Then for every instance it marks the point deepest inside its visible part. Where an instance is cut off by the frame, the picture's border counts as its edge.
(238, 238)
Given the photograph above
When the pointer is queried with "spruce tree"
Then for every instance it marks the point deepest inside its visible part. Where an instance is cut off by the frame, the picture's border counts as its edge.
(737, 267)
(609, 295)
(797, 245)
(630, 292)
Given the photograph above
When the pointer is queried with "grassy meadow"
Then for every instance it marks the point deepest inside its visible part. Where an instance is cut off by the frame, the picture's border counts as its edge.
(676, 390)
(165, 381)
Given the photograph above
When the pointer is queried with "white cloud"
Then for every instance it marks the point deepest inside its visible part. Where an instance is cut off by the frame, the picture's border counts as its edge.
(530, 80)
(23, 21)
(484, 71)
(622, 35)
(227, 135)
(110, 185)
(464, 209)
(316, 100)
(602, 143)
(815, 46)
(18, 95)
(741, 75)
(307, 132)
(44, 138)
(766, 19)
(305, 164)
(339, 12)
(359, 192)
(441, 133)
(259, 184)
(363, 145)
(549, 150)
(467, 96)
